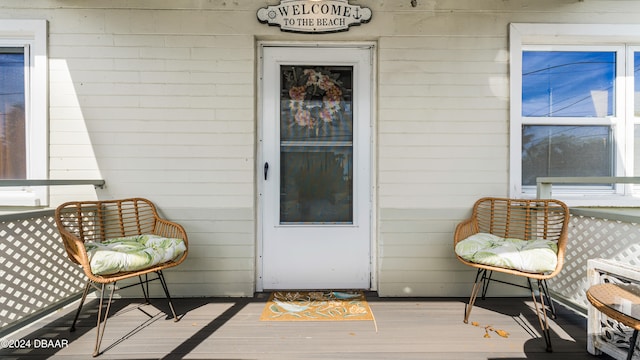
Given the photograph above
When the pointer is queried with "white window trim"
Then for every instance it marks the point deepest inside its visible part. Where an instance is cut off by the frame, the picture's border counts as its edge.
(31, 34)
(630, 111)
(523, 36)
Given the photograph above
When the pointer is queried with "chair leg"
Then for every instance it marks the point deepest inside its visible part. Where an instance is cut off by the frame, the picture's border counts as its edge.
(541, 311)
(485, 283)
(632, 344)
(85, 292)
(163, 282)
(145, 290)
(103, 316)
(102, 320)
(547, 295)
(480, 279)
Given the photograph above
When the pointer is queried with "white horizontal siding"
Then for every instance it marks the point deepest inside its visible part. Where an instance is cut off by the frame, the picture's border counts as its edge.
(221, 259)
(418, 258)
(442, 143)
(443, 107)
(151, 102)
(161, 105)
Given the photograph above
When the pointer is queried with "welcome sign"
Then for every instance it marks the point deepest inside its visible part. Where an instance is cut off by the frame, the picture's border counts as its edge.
(314, 16)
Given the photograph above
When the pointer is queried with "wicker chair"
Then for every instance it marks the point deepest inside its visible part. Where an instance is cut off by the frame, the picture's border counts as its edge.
(85, 224)
(528, 220)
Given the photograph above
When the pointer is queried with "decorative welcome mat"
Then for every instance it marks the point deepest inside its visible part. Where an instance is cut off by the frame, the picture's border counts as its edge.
(316, 306)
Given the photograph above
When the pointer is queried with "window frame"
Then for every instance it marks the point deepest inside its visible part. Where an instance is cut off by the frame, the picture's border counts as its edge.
(576, 37)
(631, 114)
(32, 36)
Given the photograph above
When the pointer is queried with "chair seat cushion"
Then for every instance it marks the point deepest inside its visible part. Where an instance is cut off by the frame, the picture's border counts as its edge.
(532, 256)
(132, 253)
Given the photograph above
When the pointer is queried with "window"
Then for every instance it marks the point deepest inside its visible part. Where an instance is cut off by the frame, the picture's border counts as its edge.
(573, 108)
(23, 109)
(568, 100)
(635, 95)
(13, 152)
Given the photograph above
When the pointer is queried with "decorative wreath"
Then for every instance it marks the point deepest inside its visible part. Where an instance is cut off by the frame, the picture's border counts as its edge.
(315, 98)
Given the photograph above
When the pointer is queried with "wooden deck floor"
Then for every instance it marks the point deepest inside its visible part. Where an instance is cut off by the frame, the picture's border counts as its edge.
(415, 328)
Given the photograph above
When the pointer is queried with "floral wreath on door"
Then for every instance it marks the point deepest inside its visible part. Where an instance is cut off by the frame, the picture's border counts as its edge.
(316, 105)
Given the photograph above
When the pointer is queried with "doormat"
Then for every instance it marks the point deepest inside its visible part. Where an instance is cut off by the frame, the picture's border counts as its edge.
(317, 306)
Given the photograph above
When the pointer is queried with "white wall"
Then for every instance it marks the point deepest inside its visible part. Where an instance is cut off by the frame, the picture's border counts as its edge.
(158, 97)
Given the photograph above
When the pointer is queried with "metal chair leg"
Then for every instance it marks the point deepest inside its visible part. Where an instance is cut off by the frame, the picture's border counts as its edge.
(483, 280)
(103, 316)
(166, 292)
(102, 321)
(632, 344)
(547, 295)
(485, 283)
(480, 276)
(541, 311)
(145, 290)
(84, 297)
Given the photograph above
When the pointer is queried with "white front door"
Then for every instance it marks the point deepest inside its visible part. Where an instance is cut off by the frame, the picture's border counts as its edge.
(315, 170)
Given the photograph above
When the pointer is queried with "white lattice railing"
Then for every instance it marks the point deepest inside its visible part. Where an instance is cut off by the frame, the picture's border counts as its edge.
(611, 235)
(36, 274)
(38, 277)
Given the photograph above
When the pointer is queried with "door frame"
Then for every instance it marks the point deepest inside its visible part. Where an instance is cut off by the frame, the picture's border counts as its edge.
(260, 152)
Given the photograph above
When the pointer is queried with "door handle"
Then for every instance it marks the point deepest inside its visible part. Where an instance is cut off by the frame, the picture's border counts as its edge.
(266, 170)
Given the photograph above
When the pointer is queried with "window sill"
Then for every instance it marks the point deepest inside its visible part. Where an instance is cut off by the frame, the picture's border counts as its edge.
(18, 198)
(593, 200)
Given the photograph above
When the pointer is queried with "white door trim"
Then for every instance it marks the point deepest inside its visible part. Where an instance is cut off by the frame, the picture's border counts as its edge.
(260, 153)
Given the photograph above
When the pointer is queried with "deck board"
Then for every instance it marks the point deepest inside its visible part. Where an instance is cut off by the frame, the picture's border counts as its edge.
(229, 328)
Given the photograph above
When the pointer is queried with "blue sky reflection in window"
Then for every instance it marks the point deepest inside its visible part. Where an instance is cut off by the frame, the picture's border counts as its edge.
(568, 83)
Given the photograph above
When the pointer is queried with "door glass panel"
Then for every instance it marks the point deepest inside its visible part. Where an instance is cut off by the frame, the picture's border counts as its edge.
(316, 145)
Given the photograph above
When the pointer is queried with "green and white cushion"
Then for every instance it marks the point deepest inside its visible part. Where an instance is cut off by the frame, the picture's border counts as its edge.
(132, 253)
(534, 256)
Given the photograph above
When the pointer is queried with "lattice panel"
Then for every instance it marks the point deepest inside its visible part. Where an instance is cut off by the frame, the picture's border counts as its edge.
(591, 238)
(34, 268)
